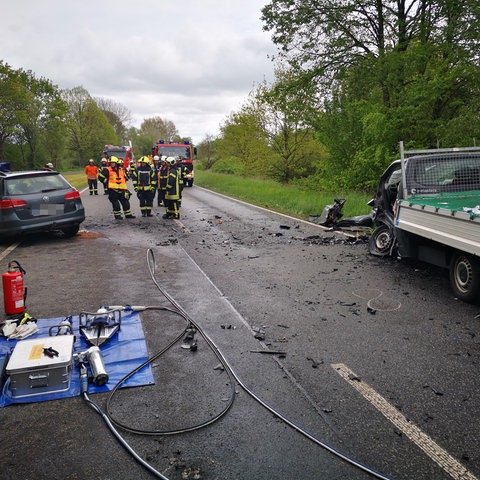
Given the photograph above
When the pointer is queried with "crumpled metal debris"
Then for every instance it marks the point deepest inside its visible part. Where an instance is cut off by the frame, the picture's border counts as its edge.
(336, 239)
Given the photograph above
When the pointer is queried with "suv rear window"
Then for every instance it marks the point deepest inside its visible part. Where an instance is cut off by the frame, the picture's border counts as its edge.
(35, 184)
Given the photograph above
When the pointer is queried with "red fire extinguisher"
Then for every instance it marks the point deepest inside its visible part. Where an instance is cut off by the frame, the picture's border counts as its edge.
(14, 292)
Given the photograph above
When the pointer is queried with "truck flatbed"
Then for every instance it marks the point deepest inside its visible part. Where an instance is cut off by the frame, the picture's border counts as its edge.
(450, 218)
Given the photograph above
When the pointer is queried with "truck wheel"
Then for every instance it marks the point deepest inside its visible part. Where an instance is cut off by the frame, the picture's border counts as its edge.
(381, 241)
(465, 277)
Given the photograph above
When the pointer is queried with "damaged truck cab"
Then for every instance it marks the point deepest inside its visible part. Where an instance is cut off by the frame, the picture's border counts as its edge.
(427, 207)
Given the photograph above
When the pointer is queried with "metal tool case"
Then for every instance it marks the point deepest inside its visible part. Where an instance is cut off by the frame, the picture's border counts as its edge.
(33, 371)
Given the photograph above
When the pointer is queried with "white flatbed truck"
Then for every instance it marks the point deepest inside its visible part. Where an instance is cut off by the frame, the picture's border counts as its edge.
(435, 213)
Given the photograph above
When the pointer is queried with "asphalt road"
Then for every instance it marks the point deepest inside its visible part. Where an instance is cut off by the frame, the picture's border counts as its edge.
(379, 361)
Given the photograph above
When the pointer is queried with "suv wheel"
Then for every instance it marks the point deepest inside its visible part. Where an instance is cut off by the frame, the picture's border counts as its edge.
(71, 231)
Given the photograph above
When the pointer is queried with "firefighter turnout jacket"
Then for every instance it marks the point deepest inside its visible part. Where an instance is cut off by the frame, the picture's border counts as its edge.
(144, 178)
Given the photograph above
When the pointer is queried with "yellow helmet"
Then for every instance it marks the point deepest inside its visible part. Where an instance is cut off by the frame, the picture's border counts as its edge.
(144, 160)
(113, 160)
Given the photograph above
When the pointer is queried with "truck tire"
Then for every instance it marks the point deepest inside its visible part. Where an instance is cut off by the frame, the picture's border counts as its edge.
(382, 241)
(465, 277)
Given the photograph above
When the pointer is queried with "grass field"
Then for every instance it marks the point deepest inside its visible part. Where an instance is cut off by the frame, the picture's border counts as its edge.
(77, 179)
(286, 199)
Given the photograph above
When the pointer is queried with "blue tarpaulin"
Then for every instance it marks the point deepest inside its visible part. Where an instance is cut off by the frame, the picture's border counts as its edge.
(123, 353)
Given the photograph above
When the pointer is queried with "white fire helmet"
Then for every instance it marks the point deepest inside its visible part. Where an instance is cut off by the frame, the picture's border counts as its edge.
(171, 160)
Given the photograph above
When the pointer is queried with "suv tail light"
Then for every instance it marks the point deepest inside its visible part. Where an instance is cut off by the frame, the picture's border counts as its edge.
(8, 204)
(74, 195)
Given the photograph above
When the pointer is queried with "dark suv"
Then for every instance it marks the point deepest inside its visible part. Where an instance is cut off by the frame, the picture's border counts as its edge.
(38, 201)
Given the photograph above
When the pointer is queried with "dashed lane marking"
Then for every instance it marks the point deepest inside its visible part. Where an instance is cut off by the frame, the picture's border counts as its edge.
(439, 455)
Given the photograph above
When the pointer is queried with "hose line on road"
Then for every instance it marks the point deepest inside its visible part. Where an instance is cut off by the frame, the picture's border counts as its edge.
(152, 359)
(234, 379)
(229, 369)
(122, 441)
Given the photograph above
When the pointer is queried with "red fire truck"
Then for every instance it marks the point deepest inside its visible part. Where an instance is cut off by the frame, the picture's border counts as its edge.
(123, 153)
(182, 150)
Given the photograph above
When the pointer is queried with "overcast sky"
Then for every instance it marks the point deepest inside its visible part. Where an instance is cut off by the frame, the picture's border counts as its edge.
(189, 61)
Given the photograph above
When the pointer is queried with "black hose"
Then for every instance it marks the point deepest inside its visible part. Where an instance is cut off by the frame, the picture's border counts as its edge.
(117, 435)
(152, 359)
(110, 421)
(231, 372)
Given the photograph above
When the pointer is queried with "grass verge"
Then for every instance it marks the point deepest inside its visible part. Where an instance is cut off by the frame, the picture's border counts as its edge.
(288, 199)
(77, 179)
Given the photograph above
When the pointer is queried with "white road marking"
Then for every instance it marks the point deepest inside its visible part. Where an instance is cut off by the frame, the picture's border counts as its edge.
(439, 455)
(321, 227)
(7, 251)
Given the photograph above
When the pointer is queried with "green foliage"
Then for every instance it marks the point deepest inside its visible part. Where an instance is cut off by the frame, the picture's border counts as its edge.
(243, 140)
(31, 111)
(231, 166)
(289, 199)
(88, 129)
(157, 128)
(207, 151)
(383, 73)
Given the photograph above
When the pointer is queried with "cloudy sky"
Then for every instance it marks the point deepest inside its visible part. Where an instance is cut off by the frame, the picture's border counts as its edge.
(189, 61)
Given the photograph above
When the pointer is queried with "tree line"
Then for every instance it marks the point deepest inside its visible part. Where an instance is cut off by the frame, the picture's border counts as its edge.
(40, 123)
(353, 78)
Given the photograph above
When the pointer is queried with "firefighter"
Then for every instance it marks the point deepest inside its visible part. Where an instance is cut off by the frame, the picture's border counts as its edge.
(103, 175)
(144, 181)
(162, 180)
(91, 171)
(155, 168)
(182, 173)
(172, 191)
(118, 193)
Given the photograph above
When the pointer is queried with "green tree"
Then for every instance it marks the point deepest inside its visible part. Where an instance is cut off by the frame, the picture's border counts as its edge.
(244, 142)
(207, 151)
(43, 114)
(88, 129)
(158, 128)
(14, 99)
(282, 111)
(118, 115)
(386, 70)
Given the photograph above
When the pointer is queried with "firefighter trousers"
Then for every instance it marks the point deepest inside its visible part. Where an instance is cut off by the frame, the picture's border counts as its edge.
(120, 200)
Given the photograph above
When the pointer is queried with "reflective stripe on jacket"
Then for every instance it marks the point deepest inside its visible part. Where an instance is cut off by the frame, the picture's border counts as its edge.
(173, 188)
(117, 179)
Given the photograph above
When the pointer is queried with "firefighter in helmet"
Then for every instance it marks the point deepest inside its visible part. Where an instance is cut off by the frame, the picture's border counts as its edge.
(91, 171)
(144, 182)
(182, 173)
(162, 180)
(103, 175)
(172, 190)
(118, 193)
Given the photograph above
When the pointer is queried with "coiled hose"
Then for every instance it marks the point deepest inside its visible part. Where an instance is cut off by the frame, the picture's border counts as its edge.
(111, 421)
